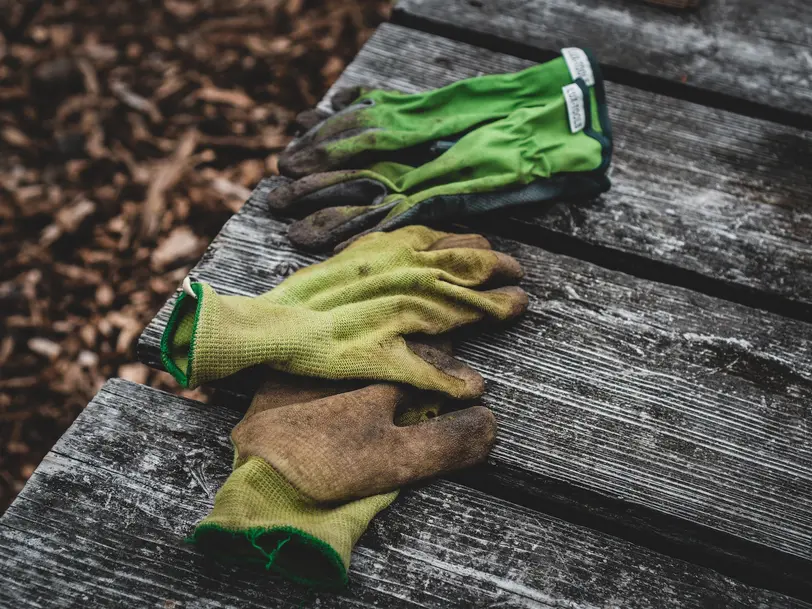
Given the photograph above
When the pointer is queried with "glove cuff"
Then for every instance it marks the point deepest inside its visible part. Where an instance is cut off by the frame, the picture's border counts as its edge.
(178, 339)
(209, 336)
(259, 516)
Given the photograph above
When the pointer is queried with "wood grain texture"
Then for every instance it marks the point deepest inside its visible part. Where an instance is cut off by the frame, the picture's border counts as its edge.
(745, 51)
(640, 392)
(101, 524)
(719, 202)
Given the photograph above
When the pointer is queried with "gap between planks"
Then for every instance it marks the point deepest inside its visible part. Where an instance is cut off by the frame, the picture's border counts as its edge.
(708, 56)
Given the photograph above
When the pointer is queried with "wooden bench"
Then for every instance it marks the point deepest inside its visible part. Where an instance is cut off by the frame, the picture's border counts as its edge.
(655, 447)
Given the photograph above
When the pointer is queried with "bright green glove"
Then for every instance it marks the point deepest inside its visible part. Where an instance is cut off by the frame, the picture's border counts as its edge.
(385, 122)
(262, 515)
(531, 156)
(349, 317)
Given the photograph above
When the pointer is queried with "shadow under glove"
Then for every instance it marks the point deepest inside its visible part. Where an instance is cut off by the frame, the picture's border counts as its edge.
(348, 317)
(305, 445)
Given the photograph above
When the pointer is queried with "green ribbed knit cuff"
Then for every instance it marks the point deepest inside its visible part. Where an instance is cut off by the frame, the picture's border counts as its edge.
(260, 517)
(178, 339)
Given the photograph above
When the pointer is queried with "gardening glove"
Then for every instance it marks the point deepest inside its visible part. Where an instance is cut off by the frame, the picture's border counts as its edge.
(534, 155)
(267, 510)
(369, 123)
(349, 317)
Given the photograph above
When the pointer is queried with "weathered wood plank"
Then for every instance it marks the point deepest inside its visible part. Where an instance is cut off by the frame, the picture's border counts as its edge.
(746, 54)
(718, 202)
(689, 406)
(102, 521)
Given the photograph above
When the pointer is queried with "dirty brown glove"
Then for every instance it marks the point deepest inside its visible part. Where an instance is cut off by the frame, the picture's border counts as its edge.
(306, 442)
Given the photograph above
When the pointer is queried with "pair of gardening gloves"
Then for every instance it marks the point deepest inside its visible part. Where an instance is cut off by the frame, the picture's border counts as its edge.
(385, 159)
(320, 452)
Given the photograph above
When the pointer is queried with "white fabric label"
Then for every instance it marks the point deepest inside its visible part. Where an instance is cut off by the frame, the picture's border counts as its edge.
(578, 64)
(574, 98)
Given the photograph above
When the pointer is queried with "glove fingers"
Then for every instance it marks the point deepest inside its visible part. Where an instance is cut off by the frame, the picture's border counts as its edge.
(308, 119)
(443, 444)
(415, 236)
(335, 188)
(311, 152)
(474, 267)
(347, 446)
(434, 371)
(453, 306)
(345, 96)
(470, 241)
(449, 365)
(282, 389)
(505, 303)
(328, 227)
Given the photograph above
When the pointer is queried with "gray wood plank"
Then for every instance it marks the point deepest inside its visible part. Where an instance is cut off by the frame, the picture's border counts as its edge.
(749, 55)
(101, 524)
(640, 393)
(700, 197)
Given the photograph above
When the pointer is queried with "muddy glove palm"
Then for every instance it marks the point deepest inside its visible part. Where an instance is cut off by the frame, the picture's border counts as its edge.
(531, 156)
(370, 123)
(348, 317)
(304, 443)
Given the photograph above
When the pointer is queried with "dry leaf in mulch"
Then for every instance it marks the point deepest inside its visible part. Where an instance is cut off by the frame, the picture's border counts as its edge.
(129, 132)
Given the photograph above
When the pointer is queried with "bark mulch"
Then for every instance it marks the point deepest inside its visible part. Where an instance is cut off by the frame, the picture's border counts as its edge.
(129, 132)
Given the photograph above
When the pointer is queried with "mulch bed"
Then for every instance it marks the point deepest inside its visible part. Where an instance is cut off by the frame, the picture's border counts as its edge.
(129, 132)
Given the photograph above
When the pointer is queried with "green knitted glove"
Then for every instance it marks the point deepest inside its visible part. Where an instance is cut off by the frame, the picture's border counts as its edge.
(260, 516)
(348, 317)
(388, 122)
(531, 156)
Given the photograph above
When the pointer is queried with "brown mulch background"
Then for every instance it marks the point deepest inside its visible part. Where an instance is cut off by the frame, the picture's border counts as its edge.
(129, 132)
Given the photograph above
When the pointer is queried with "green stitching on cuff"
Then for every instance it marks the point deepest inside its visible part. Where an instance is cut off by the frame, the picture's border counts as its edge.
(275, 559)
(181, 376)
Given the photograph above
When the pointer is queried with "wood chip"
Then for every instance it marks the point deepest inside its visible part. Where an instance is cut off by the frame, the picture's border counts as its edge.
(224, 96)
(230, 189)
(45, 347)
(87, 359)
(166, 175)
(105, 295)
(181, 245)
(15, 137)
(137, 373)
(136, 102)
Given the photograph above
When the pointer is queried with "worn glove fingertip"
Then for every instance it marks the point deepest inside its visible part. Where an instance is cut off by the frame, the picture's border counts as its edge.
(280, 198)
(345, 96)
(308, 119)
(512, 301)
(484, 429)
(472, 383)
